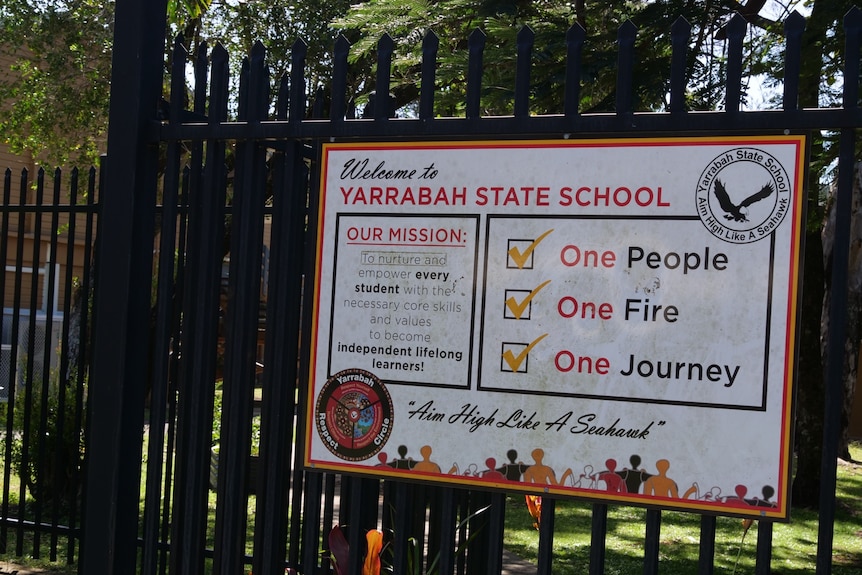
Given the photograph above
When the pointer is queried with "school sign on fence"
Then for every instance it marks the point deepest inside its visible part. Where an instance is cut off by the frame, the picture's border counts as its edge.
(610, 319)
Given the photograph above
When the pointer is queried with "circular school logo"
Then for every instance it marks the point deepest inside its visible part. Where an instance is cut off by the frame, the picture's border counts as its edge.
(743, 195)
(354, 414)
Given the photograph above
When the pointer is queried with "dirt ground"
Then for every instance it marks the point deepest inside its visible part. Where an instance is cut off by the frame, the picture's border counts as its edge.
(7, 568)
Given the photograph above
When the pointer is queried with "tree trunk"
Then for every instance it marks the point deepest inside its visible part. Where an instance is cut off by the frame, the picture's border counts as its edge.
(809, 389)
(854, 302)
(809, 382)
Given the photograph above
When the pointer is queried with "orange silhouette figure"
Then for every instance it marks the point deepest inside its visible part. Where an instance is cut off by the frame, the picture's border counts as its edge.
(426, 464)
(539, 472)
(661, 484)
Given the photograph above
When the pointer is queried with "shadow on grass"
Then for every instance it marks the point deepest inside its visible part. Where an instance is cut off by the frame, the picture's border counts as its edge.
(794, 544)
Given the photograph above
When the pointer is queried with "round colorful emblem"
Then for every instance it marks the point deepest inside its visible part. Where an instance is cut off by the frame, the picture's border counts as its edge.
(354, 414)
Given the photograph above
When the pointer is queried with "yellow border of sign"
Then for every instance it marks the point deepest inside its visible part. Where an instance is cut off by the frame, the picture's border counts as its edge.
(780, 513)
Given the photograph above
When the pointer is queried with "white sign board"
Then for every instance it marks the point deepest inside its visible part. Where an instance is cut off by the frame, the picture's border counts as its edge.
(610, 319)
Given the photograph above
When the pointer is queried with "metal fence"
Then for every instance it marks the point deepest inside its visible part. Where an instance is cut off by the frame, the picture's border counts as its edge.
(198, 352)
(49, 227)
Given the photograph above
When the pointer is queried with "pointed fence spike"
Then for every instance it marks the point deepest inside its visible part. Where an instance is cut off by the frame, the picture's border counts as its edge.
(526, 38)
(430, 46)
(736, 27)
(283, 98)
(852, 28)
(625, 61)
(735, 34)
(681, 27)
(219, 53)
(680, 34)
(474, 72)
(794, 27)
(258, 82)
(201, 71)
(180, 51)
(383, 105)
(219, 85)
(244, 71)
(339, 78)
(431, 41)
(627, 32)
(575, 37)
(795, 22)
(258, 50)
(342, 44)
(178, 81)
(57, 183)
(296, 109)
(386, 43)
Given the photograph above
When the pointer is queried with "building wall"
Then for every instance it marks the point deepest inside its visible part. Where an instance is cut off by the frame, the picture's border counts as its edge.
(18, 278)
(7, 159)
(18, 275)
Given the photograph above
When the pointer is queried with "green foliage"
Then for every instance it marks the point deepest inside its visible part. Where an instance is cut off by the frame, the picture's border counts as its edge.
(217, 415)
(56, 94)
(180, 10)
(454, 20)
(56, 97)
(48, 454)
(54, 100)
(237, 25)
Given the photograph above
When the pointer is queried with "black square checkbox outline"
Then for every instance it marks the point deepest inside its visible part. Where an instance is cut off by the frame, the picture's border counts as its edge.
(507, 313)
(528, 265)
(524, 367)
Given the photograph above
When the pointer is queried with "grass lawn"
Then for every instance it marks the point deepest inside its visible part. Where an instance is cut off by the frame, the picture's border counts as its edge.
(794, 543)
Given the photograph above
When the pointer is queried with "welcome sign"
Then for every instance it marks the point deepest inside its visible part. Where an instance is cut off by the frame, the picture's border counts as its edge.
(609, 319)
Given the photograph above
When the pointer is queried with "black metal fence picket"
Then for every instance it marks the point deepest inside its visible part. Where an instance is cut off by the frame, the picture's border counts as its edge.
(198, 337)
(49, 230)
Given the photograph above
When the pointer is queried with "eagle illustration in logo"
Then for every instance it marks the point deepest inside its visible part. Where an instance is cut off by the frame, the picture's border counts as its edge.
(738, 213)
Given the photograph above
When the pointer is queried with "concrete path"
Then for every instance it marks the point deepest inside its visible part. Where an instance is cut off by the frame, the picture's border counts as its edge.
(514, 565)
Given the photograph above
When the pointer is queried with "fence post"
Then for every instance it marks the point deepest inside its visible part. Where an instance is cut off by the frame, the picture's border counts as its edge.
(116, 417)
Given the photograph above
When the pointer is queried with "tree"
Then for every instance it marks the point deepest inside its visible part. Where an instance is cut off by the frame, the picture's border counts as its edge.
(55, 100)
(821, 47)
(453, 20)
(279, 24)
(55, 97)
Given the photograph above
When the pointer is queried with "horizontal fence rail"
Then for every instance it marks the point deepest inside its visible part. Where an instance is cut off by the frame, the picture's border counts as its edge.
(302, 122)
(49, 231)
(220, 367)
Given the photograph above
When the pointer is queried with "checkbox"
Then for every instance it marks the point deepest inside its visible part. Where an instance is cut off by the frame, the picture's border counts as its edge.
(519, 254)
(517, 304)
(515, 357)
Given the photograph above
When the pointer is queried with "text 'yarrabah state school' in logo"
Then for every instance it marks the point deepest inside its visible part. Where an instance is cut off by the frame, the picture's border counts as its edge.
(743, 195)
(354, 414)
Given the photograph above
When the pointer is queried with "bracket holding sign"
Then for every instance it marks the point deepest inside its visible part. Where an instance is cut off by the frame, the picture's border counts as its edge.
(609, 319)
